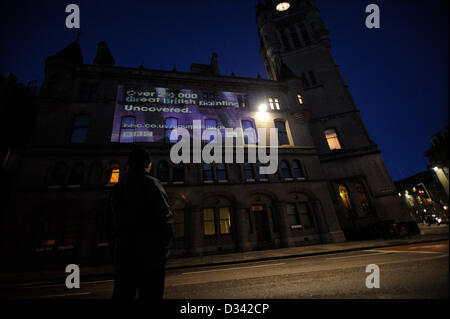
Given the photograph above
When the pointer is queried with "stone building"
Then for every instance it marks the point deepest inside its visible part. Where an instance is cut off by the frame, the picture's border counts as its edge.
(331, 186)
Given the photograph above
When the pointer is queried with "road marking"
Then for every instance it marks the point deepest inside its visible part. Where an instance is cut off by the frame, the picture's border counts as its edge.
(374, 254)
(66, 295)
(58, 285)
(234, 268)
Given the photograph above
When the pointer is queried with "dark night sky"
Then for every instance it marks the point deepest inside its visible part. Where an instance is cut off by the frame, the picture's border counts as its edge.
(397, 75)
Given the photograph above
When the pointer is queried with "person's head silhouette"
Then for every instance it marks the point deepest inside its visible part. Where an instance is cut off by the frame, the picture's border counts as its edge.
(139, 160)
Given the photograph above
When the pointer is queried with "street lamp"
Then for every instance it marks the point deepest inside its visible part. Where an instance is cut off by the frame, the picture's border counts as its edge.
(435, 168)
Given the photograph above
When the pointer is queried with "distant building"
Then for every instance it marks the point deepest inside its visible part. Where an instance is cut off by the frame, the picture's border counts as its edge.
(438, 157)
(424, 196)
(331, 185)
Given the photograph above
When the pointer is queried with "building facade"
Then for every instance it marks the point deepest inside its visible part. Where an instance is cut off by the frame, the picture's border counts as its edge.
(331, 184)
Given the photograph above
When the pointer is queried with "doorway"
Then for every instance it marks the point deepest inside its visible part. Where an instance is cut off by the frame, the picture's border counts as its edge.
(261, 226)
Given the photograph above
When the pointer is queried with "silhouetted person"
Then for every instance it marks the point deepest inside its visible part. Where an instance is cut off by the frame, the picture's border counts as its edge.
(143, 230)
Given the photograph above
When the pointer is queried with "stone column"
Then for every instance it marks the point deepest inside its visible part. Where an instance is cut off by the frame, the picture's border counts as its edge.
(195, 231)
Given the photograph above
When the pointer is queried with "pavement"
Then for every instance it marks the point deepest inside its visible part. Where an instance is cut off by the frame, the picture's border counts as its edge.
(432, 233)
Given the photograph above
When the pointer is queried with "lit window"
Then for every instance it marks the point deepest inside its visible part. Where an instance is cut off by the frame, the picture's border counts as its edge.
(362, 197)
(274, 103)
(209, 227)
(80, 127)
(300, 99)
(332, 139)
(114, 174)
(225, 220)
(345, 198)
(282, 133)
(127, 128)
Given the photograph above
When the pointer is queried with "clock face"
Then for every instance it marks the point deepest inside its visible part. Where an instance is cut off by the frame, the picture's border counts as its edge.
(283, 6)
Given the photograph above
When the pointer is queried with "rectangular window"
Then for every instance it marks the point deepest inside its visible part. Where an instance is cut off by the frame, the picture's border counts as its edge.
(127, 128)
(332, 139)
(225, 220)
(114, 178)
(79, 130)
(208, 222)
(250, 135)
(282, 133)
(242, 100)
(221, 172)
(274, 103)
(292, 216)
(171, 125)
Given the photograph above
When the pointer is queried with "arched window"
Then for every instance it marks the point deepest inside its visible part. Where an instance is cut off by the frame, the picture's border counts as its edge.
(178, 172)
(163, 171)
(285, 171)
(79, 129)
(127, 129)
(282, 132)
(113, 173)
(207, 172)
(171, 125)
(77, 174)
(332, 139)
(248, 172)
(216, 218)
(298, 170)
(363, 197)
(222, 174)
(58, 176)
(343, 192)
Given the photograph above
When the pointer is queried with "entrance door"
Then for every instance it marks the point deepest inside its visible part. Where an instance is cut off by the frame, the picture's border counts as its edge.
(261, 227)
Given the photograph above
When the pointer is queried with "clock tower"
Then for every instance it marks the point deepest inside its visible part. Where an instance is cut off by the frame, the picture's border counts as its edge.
(294, 37)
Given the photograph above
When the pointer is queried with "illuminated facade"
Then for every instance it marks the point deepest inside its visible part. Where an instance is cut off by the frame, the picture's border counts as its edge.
(331, 184)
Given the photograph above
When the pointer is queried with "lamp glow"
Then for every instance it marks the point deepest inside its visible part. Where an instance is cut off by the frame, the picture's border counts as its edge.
(283, 6)
(262, 107)
(435, 168)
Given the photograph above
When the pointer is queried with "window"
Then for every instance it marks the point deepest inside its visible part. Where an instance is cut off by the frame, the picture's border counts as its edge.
(299, 98)
(178, 172)
(362, 197)
(344, 196)
(298, 170)
(248, 172)
(332, 139)
(222, 174)
(225, 220)
(250, 135)
(260, 175)
(209, 227)
(274, 103)
(171, 125)
(211, 130)
(80, 127)
(282, 133)
(127, 127)
(163, 171)
(114, 173)
(178, 223)
(242, 100)
(305, 215)
(292, 216)
(209, 96)
(77, 174)
(285, 171)
(58, 176)
(72, 230)
(207, 172)
(294, 37)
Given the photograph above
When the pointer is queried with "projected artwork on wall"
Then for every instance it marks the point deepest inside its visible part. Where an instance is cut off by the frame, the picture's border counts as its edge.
(147, 114)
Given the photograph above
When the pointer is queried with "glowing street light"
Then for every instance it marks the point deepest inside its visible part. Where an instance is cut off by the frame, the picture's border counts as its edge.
(435, 168)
